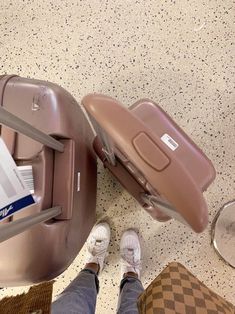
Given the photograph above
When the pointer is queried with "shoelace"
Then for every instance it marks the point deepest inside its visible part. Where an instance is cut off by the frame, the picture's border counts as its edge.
(128, 257)
(97, 248)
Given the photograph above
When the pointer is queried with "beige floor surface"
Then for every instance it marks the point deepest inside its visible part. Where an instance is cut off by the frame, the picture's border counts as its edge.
(178, 53)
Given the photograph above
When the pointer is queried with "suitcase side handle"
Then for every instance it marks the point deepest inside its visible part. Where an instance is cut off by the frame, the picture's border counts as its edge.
(19, 125)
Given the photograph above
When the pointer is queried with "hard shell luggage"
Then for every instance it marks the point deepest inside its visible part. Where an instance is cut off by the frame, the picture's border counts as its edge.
(49, 131)
(153, 158)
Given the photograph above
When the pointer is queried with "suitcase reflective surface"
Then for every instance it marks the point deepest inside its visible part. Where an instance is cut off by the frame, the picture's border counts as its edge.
(153, 158)
(64, 170)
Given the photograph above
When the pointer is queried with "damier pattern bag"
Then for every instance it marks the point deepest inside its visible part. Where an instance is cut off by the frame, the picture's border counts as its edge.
(178, 291)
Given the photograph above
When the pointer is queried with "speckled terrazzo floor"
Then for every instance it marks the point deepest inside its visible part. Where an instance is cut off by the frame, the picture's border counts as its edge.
(180, 54)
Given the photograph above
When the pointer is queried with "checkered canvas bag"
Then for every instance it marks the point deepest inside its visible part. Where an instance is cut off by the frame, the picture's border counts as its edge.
(177, 291)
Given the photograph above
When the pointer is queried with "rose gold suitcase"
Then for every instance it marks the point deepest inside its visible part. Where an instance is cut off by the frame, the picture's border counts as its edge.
(153, 158)
(64, 169)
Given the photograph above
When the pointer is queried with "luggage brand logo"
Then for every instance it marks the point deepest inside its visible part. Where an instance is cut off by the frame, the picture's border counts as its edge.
(5, 211)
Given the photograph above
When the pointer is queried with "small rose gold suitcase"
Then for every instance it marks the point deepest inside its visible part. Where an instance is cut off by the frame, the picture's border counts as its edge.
(64, 170)
(153, 158)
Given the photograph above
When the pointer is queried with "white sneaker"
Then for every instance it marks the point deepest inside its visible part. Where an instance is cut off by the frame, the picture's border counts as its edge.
(97, 244)
(130, 253)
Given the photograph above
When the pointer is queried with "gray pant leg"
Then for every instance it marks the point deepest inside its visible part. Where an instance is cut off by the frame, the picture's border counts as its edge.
(79, 297)
(130, 289)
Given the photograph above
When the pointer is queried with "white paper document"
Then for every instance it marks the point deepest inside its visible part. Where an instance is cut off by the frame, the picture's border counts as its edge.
(14, 194)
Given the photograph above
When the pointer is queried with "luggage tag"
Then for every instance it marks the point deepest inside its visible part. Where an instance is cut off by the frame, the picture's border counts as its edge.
(14, 193)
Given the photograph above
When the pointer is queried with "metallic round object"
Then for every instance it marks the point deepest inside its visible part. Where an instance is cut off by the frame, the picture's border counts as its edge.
(223, 233)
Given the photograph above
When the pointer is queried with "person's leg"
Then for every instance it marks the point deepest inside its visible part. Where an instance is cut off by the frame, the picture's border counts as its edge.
(80, 295)
(131, 286)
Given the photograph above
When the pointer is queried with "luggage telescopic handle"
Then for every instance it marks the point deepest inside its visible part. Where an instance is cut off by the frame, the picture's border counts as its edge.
(19, 125)
(108, 146)
(11, 229)
(20, 225)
